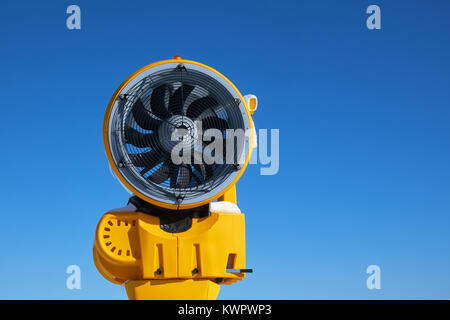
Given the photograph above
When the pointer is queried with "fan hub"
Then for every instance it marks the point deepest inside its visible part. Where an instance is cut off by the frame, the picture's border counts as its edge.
(175, 130)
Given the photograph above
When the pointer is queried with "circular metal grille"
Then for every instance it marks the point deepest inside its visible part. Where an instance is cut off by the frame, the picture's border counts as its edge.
(175, 108)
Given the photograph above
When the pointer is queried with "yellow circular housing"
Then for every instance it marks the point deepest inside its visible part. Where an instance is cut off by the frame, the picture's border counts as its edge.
(153, 103)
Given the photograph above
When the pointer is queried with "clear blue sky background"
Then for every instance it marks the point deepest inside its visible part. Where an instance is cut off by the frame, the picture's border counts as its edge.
(364, 139)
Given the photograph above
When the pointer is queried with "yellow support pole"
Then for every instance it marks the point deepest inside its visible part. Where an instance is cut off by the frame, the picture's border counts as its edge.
(229, 195)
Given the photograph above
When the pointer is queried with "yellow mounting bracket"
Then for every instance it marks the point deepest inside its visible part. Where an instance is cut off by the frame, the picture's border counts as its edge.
(131, 248)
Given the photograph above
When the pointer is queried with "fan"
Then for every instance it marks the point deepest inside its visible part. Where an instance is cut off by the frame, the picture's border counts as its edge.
(168, 119)
(178, 135)
(177, 105)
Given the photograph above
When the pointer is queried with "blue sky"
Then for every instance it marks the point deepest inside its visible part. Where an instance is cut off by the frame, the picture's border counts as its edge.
(364, 139)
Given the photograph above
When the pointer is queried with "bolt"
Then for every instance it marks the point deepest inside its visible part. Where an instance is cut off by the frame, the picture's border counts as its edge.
(181, 67)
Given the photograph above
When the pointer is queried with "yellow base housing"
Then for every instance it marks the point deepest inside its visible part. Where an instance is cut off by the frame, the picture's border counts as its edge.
(131, 248)
(191, 289)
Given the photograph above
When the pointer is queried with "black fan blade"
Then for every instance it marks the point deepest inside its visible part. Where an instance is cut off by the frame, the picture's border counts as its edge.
(209, 171)
(143, 117)
(160, 175)
(197, 107)
(204, 169)
(214, 122)
(173, 175)
(157, 102)
(176, 101)
(185, 176)
(197, 179)
(139, 139)
(147, 160)
(201, 169)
